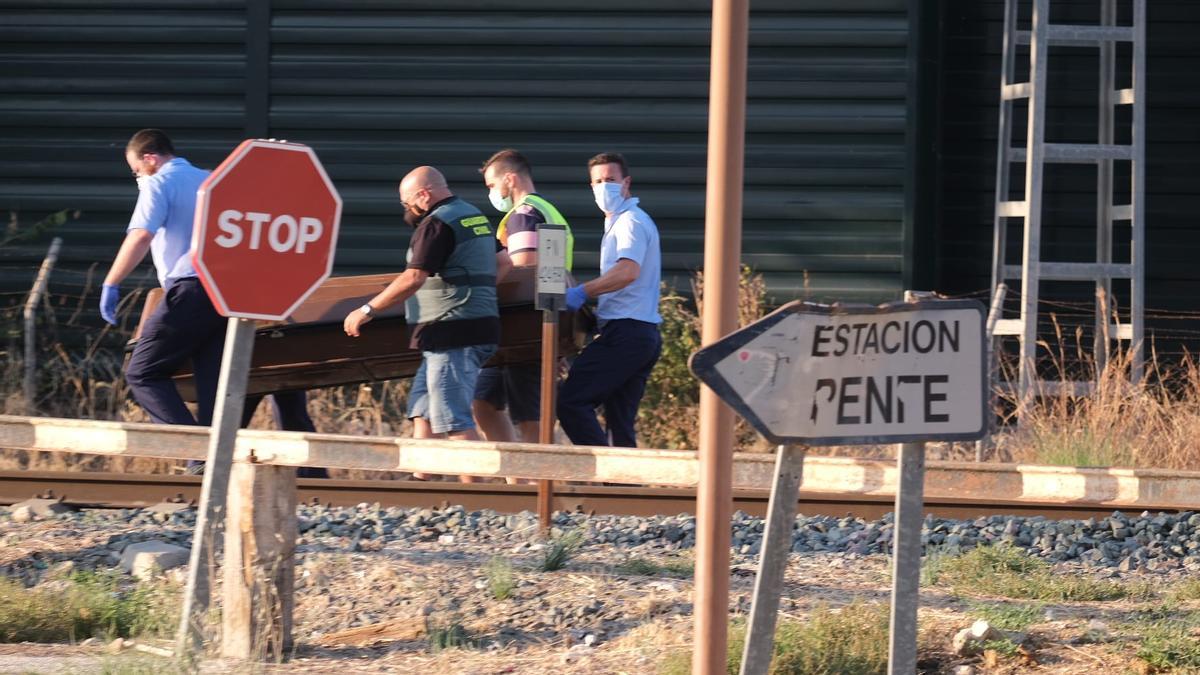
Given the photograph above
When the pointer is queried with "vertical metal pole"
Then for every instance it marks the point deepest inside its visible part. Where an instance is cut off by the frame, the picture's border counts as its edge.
(906, 560)
(1104, 187)
(722, 255)
(1039, 51)
(772, 560)
(993, 316)
(545, 496)
(1138, 191)
(1004, 149)
(227, 417)
(29, 383)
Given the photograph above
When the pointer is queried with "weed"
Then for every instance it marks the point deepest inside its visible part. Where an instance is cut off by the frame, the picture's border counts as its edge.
(89, 604)
(1007, 572)
(645, 567)
(1182, 591)
(1008, 616)
(931, 566)
(500, 579)
(447, 634)
(1003, 647)
(669, 413)
(852, 640)
(1170, 645)
(560, 550)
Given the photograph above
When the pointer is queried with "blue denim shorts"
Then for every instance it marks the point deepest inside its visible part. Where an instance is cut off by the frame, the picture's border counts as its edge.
(444, 386)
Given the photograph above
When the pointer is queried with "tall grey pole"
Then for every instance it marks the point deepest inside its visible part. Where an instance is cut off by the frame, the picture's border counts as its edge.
(906, 559)
(776, 546)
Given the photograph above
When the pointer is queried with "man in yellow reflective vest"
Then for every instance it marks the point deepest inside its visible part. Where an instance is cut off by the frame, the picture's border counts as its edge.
(509, 179)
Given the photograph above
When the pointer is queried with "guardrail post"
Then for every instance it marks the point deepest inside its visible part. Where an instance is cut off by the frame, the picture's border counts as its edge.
(260, 545)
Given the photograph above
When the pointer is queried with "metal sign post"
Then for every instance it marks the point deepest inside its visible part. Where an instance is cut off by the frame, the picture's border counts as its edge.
(551, 299)
(847, 375)
(227, 417)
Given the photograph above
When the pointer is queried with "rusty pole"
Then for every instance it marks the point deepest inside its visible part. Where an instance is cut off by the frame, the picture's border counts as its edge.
(545, 491)
(722, 255)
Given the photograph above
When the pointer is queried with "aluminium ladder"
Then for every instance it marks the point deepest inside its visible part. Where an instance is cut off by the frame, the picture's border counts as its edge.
(1036, 154)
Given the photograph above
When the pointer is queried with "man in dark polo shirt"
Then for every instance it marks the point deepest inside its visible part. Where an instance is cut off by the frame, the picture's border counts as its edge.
(449, 295)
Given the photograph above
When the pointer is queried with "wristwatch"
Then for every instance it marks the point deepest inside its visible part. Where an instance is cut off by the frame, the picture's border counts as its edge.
(367, 309)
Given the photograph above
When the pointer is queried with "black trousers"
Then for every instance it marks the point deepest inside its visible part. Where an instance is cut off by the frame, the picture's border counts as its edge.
(610, 372)
(183, 327)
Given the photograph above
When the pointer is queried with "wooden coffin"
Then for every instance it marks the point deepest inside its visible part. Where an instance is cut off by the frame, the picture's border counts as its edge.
(311, 350)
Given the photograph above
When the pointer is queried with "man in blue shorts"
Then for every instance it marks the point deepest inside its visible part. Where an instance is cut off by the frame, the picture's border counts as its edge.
(517, 388)
(449, 295)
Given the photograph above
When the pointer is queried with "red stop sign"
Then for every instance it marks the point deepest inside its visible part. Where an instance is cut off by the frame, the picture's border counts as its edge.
(265, 230)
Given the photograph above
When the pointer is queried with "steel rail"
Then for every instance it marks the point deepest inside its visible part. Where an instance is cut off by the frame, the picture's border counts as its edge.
(120, 490)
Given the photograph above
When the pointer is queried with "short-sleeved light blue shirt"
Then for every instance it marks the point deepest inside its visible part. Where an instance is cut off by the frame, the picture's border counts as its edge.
(631, 233)
(166, 208)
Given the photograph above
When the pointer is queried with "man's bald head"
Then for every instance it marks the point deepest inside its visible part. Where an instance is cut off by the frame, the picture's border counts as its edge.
(423, 187)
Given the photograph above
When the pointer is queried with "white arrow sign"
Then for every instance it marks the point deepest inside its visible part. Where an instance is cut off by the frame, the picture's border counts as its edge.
(844, 375)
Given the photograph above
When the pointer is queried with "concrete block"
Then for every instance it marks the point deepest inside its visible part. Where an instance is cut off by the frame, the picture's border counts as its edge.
(149, 558)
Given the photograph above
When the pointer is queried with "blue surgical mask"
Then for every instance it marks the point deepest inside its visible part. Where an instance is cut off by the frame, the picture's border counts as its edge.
(608, 196)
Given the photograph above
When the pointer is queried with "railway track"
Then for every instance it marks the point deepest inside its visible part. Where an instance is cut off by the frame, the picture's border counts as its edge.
(119, 490)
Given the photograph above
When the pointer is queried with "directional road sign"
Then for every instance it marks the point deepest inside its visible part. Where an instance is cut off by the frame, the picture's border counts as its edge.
(265, 231)
(844, 375)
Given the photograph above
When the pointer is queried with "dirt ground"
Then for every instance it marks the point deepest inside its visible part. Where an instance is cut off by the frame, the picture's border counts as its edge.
(372, 612)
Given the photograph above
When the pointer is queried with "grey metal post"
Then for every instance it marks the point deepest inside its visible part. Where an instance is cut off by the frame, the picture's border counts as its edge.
(227, 417)
(1035, 142)
(906, 559)
(993, 365)
(772, 560)
(1104, 187)
(29, 384)
(1137, 286)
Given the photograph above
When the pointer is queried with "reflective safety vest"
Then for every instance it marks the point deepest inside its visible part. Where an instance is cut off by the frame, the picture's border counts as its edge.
(549, 215)
(466, 287)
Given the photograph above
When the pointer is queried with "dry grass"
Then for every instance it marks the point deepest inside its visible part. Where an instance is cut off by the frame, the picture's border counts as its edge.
(1153, 424)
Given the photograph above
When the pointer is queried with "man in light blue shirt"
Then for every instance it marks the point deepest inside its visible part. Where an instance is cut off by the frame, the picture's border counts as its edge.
(612, 370)
(185, 326)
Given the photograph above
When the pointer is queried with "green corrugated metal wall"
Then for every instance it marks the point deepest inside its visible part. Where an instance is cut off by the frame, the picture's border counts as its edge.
(378, 87)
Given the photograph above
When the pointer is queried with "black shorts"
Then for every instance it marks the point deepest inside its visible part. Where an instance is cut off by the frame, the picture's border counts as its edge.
(516, 388)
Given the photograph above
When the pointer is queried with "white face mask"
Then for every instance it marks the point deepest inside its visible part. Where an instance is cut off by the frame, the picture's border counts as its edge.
(608, 196)
(501, 204)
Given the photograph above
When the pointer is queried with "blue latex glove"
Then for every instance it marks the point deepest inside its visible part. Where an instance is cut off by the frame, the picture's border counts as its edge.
(576, 297)
(109, 296)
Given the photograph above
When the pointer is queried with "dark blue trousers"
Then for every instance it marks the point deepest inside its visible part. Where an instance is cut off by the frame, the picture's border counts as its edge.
(183, 327)
(610, 372)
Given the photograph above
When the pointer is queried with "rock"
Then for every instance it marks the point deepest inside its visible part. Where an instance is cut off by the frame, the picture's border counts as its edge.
(1097, 628)
(115, 646)
(149, 558)
(982, 630)
(446, 539)
(41, 508)
(964, 670)
(964, 644)
(22, 514)
(90, 642)
(576, 653)
(169, 508)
